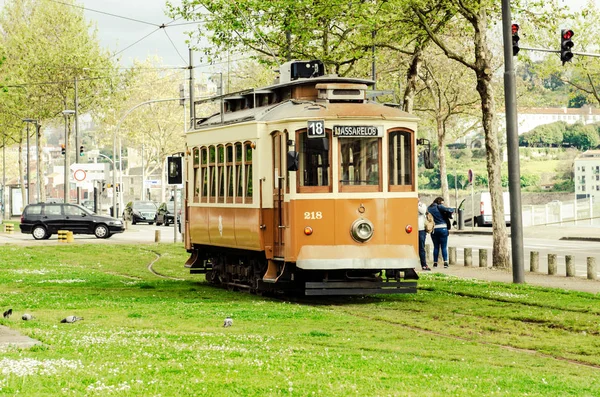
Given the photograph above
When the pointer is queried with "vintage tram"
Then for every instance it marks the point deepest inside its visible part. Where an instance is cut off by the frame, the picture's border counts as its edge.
(303, 186)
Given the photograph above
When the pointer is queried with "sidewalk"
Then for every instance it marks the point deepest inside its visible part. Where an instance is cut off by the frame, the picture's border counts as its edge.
(578, 233)
(558, 232)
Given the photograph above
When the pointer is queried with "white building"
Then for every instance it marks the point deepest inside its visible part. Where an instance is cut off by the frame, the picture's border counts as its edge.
(529, 118)
(587, 174)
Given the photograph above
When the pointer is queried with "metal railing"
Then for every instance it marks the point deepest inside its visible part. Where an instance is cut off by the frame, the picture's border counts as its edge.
(575, 212)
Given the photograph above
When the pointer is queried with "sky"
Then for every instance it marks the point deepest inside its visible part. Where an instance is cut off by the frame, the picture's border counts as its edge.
(119, 33)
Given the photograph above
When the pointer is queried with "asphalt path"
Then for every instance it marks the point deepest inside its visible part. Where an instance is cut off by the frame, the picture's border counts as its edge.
(580, 250)
(134, 234)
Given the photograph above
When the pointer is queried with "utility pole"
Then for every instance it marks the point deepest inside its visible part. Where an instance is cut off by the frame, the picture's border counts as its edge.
(38, 163)
(192, 107)
(27, 199)
(512, 143)
(78, 189)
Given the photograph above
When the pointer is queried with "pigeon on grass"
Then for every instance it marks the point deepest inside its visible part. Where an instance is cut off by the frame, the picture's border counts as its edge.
(7, 313)
(27, 317)
(71, 319)
(228, 322)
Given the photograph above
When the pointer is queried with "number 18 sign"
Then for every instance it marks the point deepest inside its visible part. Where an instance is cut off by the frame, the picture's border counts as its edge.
(316, 129)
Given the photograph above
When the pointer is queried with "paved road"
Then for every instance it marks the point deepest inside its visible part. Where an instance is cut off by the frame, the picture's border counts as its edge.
(140, 233)
(580, 250)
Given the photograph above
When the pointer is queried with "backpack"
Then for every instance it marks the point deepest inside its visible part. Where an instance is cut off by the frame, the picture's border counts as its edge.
(429, 223)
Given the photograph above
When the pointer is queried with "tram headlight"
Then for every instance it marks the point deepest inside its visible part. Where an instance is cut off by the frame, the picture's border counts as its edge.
(361, 230)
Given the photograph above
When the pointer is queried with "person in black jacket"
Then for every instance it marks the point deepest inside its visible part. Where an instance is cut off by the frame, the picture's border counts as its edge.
(441, 215)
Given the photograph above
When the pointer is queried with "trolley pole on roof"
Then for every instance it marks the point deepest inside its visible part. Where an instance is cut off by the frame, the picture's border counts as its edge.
(512, 143)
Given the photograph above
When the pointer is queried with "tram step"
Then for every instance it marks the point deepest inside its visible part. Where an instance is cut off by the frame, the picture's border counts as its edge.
(359, 288)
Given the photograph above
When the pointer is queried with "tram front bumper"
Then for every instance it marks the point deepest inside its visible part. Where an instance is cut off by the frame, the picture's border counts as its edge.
(334, 257)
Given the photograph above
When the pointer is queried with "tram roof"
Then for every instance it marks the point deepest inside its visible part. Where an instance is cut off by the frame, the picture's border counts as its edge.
(295, 108)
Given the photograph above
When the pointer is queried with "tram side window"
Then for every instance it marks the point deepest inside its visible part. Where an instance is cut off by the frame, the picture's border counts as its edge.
(221, 173)
(313, 160)
(239, 181)
(359, 159)
(204, 174)
(229, 172)
(197, 174)
(212, 180)
(248, 171)
(400, 158)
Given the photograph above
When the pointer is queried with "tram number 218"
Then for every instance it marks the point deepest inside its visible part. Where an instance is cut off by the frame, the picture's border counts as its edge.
(316, 128)
(313, 215)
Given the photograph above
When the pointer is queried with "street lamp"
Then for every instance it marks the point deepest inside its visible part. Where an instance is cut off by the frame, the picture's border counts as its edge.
(28, 173)
(67, 113)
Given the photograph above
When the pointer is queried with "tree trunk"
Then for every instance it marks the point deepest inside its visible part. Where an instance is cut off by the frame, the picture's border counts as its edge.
(500, 254)
(21, 174)
(411, 79)
(441, 140)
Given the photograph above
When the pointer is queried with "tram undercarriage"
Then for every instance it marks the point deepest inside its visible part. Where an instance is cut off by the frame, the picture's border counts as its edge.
(251, 271)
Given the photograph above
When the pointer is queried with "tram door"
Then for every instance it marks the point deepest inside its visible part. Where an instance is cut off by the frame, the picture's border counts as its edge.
(278, 194)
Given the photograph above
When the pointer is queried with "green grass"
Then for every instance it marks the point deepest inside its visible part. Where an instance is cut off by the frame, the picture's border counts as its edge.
(146, 335)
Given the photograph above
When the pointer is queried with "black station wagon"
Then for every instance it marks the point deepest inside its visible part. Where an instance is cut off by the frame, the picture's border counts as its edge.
(42, 220)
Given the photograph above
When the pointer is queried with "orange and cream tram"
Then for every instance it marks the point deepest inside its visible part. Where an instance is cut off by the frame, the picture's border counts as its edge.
(303, 186)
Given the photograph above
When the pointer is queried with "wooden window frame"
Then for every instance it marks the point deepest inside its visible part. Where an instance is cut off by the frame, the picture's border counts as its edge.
(367, 188)
(204, 173)
(212, 175)
(229, 173)
(402, 188)
(197, 174)
(220, 173)
(315, 189)
(239, 172)
(248, 176)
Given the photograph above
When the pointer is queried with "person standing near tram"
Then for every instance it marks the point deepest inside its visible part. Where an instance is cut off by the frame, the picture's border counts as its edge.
(441, 216)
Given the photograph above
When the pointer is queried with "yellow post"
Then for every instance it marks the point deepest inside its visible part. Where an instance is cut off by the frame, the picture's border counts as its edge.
(9, 228)
(62, 236)
(70, 237)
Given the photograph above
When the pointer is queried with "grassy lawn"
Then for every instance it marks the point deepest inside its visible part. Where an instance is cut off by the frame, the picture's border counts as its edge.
(147, 335)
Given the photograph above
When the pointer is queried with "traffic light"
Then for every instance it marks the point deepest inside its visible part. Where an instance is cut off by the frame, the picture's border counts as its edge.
(515, 39)
(565, 45)
(81, 150)
(63, 151)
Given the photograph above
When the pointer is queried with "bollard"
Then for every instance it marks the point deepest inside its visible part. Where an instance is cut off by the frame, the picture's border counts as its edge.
(534, 261)
(9, 228)
(468, 256)
(157, 236)
(592, 272)
(570, 263)
(551, 264)
(62, 236)
(70, 237)
(483, 257)
(428, 253)
(452, 255)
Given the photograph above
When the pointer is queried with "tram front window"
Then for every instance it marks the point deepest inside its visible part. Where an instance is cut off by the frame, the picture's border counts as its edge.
(313, 160)
(359, 161)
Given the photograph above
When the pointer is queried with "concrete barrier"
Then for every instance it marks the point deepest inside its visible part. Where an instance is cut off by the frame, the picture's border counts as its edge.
(157, 236)
(552, 266)
(62, 236)
(534, 261)
(468, 256)
(592, 271)
(570, 264)
(452, 255)
(483, 257)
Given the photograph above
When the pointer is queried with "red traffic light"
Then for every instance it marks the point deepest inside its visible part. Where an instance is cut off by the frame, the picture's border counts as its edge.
(567, 34)
(515, 28)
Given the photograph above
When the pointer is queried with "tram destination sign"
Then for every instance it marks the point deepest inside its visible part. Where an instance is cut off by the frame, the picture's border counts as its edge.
(357, 131)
